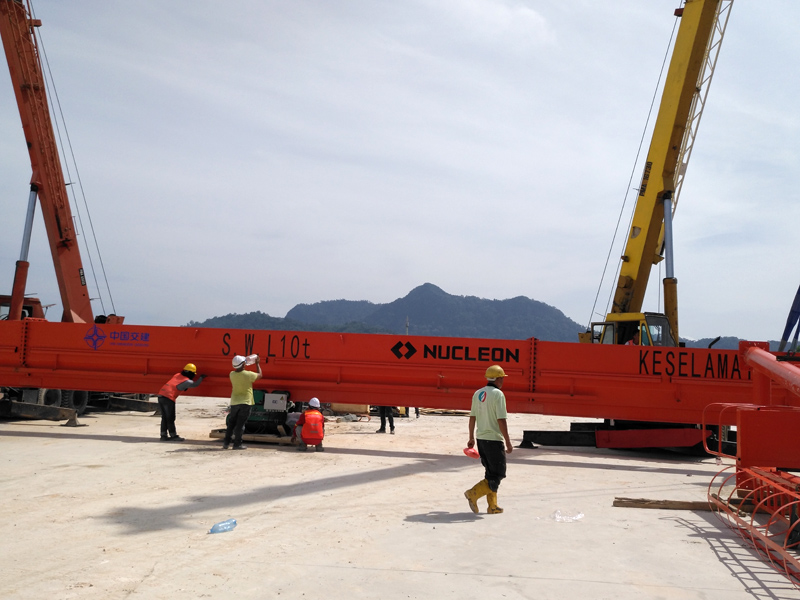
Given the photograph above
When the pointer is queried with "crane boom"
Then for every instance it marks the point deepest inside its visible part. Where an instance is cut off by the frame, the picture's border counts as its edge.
(688, 78)
(47, 180)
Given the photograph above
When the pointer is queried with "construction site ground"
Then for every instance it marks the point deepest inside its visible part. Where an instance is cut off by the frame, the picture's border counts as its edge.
(108, 511)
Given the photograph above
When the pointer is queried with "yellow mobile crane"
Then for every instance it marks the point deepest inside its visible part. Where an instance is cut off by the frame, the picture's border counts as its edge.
(691, 68)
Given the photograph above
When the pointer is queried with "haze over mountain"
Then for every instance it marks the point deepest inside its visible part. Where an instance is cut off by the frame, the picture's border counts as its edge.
(430, 311)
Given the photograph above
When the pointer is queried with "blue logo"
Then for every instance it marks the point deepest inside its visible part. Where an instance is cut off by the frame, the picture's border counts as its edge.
(95, 337)
(482, 396)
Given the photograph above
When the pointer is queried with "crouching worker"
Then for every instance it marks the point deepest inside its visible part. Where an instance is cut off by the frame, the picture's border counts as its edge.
(167, 397)
(310, 427)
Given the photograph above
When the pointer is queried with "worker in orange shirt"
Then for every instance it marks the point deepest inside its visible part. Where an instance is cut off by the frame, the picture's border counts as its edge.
(634, 341)
(310, 427)
(168, 395)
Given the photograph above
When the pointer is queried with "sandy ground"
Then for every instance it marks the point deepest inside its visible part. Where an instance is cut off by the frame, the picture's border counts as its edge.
(107, 511)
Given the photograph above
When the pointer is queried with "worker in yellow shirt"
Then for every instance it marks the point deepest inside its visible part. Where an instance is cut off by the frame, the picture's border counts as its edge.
(241, 401)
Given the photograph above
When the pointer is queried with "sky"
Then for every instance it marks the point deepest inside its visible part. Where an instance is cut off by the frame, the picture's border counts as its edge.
(252, 155)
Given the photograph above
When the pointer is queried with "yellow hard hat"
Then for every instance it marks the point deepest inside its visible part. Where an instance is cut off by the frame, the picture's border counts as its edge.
(494, 372)
(190, 367)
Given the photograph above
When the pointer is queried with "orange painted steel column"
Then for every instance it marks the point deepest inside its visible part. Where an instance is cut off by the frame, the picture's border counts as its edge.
(784, 374)
(18, 290)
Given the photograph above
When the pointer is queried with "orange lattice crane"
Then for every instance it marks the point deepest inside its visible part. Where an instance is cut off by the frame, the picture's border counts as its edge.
(47, 179)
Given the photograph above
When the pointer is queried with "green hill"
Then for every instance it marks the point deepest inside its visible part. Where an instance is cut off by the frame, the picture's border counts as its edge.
(428, 309)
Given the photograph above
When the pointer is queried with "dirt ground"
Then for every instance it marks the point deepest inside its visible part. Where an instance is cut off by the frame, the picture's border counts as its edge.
(107, 511)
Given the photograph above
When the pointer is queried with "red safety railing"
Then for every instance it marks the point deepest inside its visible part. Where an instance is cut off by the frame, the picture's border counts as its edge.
(762, 507)
(758, 498)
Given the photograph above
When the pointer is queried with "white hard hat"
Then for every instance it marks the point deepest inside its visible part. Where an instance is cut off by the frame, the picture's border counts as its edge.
(238, 361)
(314, 403)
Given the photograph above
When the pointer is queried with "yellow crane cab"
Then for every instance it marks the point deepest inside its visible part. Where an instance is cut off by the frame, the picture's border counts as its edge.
(619, 328)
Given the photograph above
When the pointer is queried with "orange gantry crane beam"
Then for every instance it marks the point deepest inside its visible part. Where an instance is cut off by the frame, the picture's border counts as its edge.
(677, 385)
(543, 377)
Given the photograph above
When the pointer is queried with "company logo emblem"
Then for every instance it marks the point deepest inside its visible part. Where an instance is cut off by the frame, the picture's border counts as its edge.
(397, 350)
(482, 396)
(95, 337)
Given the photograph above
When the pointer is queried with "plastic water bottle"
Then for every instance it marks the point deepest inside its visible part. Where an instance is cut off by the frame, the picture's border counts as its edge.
(566, 516)
(251, 360)
(223, 526)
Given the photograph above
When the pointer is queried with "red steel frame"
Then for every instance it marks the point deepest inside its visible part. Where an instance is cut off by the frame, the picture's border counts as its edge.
(762, 506)
(582, 380)
(679, 385)
(759, 499)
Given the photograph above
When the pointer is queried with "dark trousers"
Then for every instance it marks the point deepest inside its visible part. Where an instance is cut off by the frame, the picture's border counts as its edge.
(493, 459)
(386, 413)
(236, 421)
(167, 407)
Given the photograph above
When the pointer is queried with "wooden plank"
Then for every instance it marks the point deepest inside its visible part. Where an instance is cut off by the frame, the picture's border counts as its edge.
(741, 508)
(662, 504)
(265, 438)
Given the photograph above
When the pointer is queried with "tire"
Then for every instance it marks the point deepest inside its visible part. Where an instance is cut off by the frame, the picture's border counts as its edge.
(76, 399)
(48, 397)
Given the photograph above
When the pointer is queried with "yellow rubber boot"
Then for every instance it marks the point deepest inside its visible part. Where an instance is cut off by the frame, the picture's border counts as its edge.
(478, 491)
(493, 508)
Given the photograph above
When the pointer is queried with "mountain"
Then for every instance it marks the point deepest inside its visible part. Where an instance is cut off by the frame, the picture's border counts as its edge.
(332, 312)
(428, 309)
(432, 311)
